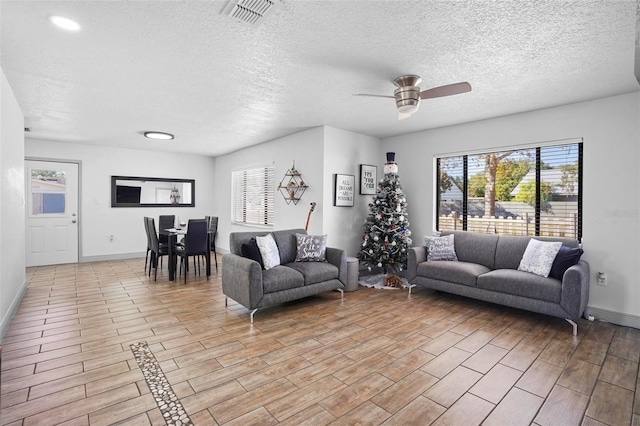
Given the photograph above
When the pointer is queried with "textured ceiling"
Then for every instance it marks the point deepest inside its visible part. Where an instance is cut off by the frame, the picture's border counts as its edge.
(220, 85)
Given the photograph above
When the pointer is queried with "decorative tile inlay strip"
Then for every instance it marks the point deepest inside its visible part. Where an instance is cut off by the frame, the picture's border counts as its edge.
(171, 409)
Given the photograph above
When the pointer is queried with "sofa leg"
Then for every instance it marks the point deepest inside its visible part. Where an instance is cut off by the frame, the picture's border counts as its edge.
(251, 314)
(341, 293)
(575, 326)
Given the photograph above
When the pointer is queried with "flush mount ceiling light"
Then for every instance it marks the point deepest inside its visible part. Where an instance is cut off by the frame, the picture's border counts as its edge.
(159, 135)
(64, 23)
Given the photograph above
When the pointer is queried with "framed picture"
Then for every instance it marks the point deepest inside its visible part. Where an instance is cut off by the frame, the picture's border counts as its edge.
(343, 189)
(368, 179)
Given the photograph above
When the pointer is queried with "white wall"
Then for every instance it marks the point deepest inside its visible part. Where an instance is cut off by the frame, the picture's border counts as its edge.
(305, 148)
(611, 132)
(319, 153)
(344, 151)
(12, 225)
(98, 220)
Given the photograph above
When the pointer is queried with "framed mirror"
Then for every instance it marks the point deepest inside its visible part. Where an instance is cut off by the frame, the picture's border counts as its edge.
(132, 191)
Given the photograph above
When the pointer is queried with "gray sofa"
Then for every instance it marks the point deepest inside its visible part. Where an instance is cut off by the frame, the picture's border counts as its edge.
(244, 280)
(487, 270)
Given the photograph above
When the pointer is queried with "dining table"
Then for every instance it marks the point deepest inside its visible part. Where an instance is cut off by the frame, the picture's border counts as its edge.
(172, 236)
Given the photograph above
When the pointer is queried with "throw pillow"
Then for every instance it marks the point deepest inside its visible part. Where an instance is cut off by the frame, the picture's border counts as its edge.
(311, 248)
(441, 248)
(250, 251)
(538, 257)
(565, 259)
(269, 251)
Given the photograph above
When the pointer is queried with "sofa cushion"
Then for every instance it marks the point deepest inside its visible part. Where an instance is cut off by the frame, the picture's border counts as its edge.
(538, 257)
(441, 248)
(455, 272)
(521, 283)
(473, 247)
(509, 251)
(287, 245)
(315, 272)
(281, 278)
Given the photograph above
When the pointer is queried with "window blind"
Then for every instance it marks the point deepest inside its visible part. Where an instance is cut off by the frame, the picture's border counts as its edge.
(524, 191)
(253, 196)
(560, 190)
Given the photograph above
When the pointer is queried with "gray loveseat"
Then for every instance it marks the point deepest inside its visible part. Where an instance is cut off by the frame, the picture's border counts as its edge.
(244, 280)
(487, 270)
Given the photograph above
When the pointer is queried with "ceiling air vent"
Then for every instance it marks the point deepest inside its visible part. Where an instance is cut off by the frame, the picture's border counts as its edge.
(250, 12)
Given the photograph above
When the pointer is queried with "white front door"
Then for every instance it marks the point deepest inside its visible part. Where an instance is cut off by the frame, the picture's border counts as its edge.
(52, 212)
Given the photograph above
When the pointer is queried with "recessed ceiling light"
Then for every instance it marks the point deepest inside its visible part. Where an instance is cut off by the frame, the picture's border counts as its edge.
(159, 135)
(64, 23)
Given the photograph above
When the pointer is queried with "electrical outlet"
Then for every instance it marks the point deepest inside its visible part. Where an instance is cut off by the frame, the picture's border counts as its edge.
(111, 238)
(602, 278)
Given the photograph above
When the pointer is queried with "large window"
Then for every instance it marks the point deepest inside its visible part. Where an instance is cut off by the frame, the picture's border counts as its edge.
(533, 191)
(252, 194)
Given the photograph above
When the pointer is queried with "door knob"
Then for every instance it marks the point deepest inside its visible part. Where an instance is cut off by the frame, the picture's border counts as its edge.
(74, 221)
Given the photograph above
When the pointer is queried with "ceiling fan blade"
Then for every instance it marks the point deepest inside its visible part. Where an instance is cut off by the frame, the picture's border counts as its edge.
(373, 96)
(448, 90)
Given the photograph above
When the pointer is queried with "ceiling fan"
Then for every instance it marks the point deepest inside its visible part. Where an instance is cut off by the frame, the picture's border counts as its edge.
(408, 94)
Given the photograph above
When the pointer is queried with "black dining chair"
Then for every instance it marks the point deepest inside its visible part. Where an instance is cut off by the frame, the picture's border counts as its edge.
(165, 222)
(157, 250)
(146, 231)
(213, 231)
(195, 244)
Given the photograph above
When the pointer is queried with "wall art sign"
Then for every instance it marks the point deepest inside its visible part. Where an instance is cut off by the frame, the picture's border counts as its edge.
(368, 179)
(343, 190)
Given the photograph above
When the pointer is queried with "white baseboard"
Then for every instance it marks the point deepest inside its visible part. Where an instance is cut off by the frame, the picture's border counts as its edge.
(107, 257)
(15, 304)
(614, 317)
(123, 256)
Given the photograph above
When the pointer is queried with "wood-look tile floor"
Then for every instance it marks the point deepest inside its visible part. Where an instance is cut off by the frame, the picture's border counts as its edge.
(378, 357)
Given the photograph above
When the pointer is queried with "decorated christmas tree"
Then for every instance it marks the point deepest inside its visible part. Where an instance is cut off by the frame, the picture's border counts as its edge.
(386, 229)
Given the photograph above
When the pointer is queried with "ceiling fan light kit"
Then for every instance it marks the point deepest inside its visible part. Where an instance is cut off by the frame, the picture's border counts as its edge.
(408, 94)
(407, 100)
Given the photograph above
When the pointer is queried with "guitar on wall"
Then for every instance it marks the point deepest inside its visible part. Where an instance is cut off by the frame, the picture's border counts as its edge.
(313, 206)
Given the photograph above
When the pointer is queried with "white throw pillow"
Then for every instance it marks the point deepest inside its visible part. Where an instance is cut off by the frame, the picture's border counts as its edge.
(539, 256)
(268, 250)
